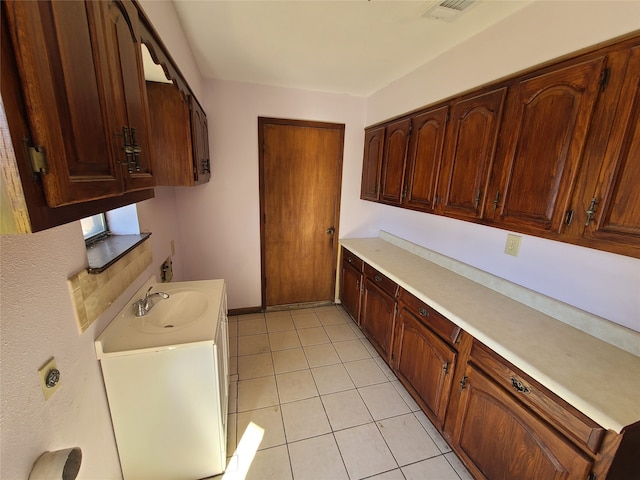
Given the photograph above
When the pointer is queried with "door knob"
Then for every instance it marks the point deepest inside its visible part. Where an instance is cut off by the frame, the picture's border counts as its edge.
(331, 231)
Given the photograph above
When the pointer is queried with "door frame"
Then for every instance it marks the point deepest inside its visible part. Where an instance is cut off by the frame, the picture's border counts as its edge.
(262, 122)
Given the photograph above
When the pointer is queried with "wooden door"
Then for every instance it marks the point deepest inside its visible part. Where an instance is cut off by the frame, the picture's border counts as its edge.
(63, 65)
(613, 212)
(424, 159)
(393, 161)
(372, 163)
(500, 439)
(546, 124)
(424, 363)
(470, 148)
(300, 183)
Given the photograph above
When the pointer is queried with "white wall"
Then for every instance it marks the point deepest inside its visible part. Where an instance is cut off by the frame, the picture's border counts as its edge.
(220, 220)
(601, 283)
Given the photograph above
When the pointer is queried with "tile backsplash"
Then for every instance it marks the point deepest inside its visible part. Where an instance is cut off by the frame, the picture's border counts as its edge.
(92, 294)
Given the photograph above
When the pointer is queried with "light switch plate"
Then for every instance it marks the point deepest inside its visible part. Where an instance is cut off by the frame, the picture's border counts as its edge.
(513, 245)
(44, 373)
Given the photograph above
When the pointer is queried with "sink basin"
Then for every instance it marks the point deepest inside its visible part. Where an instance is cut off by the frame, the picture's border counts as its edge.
(191, 314)
(181, 309)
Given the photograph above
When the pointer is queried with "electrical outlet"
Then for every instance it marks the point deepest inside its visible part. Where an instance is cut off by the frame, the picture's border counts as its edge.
(166, 270)
(513, 245)
(49, 378)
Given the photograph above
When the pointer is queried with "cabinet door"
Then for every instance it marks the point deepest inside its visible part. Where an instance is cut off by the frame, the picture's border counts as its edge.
(200, 139)
(499, 439)
(393, 161)
(63, 64)
(372, 163)
(545, 129)
(171, 144)
(423, 163)
(424, 363)
(469, 152)
(615, 205)
(130, 103)
(350, 289)
(376, 316)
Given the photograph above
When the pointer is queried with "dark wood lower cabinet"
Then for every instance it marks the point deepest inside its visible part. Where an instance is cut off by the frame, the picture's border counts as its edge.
(424, 364)
(499, 439)
(378, 311)
(351, 284)
(502, 423)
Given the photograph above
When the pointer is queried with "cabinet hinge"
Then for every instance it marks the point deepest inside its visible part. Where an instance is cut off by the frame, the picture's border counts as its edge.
(604, 78)
(446, 120)
(37, 158)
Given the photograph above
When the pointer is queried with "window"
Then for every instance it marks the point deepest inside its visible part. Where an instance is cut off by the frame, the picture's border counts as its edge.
(111, 235)
(94, 228)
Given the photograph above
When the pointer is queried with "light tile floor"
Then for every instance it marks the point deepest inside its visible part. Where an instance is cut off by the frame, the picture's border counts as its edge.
(327, 406)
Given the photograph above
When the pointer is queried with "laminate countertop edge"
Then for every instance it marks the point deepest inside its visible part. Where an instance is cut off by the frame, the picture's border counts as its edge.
(599, 379)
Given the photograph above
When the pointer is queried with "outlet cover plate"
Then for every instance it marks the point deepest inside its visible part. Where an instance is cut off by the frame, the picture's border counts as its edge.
(43, 373)
(512, 246)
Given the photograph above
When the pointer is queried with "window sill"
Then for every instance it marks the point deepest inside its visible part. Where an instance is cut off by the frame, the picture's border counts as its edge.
(104, 253)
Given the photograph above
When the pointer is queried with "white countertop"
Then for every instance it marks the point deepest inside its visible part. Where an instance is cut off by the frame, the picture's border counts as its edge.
(128, 334)
(597, 378)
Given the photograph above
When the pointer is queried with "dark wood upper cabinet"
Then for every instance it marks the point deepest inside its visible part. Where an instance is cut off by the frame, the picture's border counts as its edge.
(551, 152)
(130, 95)
(613, 211)
(470, 147)
(424, 158)
(64, 68)
(200, 132)
(393, 161)
(544, 132)
(372, 163)
(179, 137)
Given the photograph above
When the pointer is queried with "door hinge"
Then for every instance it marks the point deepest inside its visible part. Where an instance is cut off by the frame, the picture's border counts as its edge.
(591, 476)
(37, 158)
(604, 78)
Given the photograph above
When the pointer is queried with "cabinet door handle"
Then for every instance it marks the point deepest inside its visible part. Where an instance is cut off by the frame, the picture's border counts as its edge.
(496, 201)
(423, 312)
(463, 383)
(445, 367)
(377, 278)
(350, 260)
(519, 386)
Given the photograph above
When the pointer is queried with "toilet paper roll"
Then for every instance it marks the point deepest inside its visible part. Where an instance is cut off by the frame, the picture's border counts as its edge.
(58, 465)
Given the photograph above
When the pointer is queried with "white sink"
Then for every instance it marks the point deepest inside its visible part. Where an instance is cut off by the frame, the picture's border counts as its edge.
(189, 315)
(183, 307)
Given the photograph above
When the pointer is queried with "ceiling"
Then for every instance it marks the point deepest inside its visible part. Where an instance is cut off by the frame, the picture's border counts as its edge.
(351, 46)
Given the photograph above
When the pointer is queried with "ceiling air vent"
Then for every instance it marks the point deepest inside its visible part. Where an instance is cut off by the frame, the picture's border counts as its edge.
(447, 10)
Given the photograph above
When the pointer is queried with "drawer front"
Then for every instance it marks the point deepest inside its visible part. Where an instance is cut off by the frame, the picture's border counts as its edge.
(351, 259)
(382, 282)
(577, 426)
(441, 325)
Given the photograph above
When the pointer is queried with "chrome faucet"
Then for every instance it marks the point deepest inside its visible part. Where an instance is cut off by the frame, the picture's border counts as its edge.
(144, 305)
